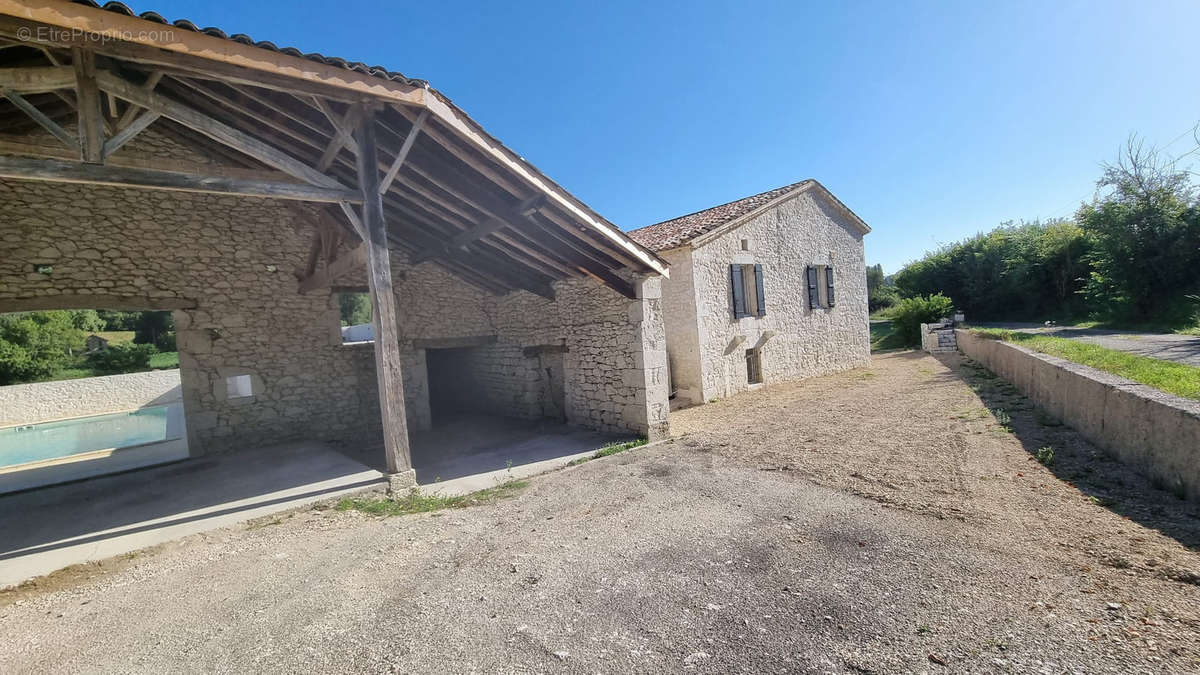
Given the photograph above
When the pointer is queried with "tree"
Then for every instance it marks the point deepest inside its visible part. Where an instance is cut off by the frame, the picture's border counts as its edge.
(154, 328)
(1146, 234)
(114, 320)
(87, 320)
(880, 293)
(122, 358)
(34, 345)
(354, 308)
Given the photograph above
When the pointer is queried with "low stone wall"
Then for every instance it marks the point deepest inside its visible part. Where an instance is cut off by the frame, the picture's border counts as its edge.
(1156, 432)
(42, 401)
(937, 337)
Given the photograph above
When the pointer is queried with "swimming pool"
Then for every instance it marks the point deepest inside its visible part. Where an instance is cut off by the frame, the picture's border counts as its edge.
(52, 452)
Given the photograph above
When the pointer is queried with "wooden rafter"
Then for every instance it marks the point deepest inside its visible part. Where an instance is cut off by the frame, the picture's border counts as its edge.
(214, 129)
(405, 148)
(446, 200)
(148, 86)
(38, 116)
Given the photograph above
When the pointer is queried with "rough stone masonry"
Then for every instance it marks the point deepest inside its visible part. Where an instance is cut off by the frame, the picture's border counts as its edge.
(230, 261)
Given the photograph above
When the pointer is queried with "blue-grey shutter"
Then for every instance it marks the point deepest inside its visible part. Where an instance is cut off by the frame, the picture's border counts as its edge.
(829, 283)
(758, 287)
(739, 292)
(814, 297)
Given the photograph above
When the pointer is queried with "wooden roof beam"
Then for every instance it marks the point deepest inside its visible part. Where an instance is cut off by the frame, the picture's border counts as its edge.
(214, 129)
(58, 171)
(132, 38)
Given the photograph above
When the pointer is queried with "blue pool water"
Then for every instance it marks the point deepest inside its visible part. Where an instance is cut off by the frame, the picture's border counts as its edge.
(49, 440)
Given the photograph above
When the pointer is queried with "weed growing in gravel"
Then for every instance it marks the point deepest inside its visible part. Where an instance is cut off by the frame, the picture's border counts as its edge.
(924, 629)
(1101, 501)
(610, 449)
(1045, 455)
(1003, 419)
(417, 502)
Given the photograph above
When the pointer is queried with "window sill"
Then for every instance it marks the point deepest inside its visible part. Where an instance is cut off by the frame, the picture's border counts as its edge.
(359, 343)
(755, 385)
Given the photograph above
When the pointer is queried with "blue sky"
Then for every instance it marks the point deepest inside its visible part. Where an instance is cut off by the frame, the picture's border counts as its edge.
(931, 120)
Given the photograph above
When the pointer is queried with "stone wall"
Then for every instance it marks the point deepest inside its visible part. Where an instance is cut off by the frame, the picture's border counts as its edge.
(614, 364)
(682, 326)
(1156, 432)
(794, 340)
(230, 260)
(42, 401)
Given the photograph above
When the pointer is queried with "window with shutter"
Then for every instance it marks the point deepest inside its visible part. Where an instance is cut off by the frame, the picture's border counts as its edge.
(758, 289)
(739, 291)
(829, 285)
(814, 292)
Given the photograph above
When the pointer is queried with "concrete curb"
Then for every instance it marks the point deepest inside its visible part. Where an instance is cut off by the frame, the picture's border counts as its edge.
(1155, 432)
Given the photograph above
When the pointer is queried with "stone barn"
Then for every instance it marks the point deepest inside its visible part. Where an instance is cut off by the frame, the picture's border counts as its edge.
(764, 289)
(147, 165)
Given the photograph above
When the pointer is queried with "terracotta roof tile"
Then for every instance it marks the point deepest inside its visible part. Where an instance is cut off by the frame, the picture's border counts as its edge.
(671, 233)
(357, 66)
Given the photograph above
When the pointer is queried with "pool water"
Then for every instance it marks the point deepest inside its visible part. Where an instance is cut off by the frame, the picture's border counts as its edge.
(51, 440)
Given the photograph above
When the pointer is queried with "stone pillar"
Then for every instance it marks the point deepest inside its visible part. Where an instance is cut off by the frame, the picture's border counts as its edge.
(648, 413)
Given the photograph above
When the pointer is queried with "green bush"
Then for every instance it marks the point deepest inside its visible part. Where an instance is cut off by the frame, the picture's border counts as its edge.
(122, 358)
(33, 345)
(908, 316)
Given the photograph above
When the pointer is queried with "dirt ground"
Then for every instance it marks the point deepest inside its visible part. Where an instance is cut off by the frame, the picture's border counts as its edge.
(878, 521)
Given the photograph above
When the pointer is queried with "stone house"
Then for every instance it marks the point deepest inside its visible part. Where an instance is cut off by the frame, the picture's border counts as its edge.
(767, 288)
(245, 187)
(94, 343)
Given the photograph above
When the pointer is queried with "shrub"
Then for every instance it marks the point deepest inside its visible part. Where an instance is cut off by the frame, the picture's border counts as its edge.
(908, 316)
(33, 345)
(122, 358)
(1045, 455)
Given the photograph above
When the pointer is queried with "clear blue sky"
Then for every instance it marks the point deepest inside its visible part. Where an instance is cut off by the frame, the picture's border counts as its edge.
(932, 120)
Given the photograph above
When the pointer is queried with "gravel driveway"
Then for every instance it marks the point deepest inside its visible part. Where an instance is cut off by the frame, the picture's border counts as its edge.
(1166, 346)
(879, 520)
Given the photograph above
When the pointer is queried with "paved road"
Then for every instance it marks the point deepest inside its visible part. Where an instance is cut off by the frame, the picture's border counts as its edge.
(1166, 346)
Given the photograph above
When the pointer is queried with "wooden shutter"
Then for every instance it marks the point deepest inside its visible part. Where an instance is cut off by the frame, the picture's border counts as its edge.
(739, 292)
(814, 298)
(758, 287)
(829, 283)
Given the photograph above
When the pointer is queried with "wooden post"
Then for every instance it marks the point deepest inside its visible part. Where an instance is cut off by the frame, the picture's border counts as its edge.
(91, 123)
(383, 304)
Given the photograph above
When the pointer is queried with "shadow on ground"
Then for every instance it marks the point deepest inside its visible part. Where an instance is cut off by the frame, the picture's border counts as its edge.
(1104, 480)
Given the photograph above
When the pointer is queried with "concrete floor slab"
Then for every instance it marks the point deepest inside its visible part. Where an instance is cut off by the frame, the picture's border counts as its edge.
(47, 529)
(478, 444)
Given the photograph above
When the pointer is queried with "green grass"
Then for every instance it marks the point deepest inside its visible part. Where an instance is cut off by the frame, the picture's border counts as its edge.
(164, 360)
(115, 337)
(884, 337)
(611, 449)
(418, 502)
(1176, 378)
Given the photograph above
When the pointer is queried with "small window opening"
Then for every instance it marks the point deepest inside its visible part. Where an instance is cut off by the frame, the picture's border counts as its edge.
(238, 386)
(354, 316)
(745, 244)
(753, 367)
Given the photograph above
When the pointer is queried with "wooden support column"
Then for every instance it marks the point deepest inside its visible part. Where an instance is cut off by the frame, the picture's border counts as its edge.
(383, 306)
(91, 120)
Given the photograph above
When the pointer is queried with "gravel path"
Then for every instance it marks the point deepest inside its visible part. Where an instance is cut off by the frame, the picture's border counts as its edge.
(874, 521)
(1166, 346)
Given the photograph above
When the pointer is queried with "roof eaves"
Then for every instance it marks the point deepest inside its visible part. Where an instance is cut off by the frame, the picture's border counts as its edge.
(75, 14)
